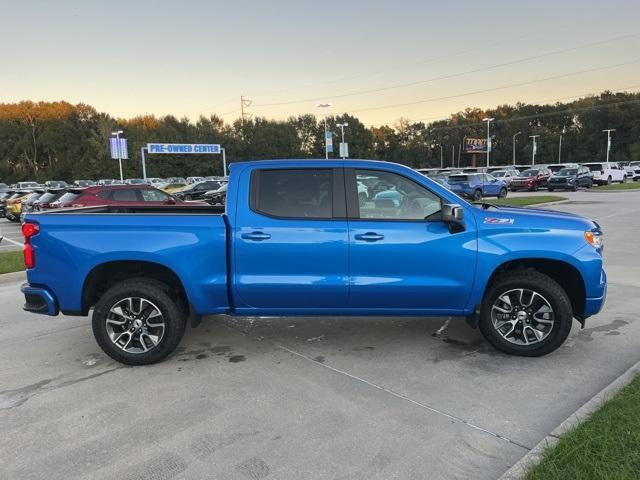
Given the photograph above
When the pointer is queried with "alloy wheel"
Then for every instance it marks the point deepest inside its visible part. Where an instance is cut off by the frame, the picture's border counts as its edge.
(135, 325)
(522, 316)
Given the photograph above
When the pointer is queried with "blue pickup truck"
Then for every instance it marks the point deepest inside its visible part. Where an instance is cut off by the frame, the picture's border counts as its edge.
(297, 237)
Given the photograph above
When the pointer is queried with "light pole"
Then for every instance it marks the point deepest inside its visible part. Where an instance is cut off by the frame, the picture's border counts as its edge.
(513, 143)
(560, 146)
(341, 127)
(609, 130)
(117, 134)
(488, 120)
(535, 148)
(326, 146)
(441, 158)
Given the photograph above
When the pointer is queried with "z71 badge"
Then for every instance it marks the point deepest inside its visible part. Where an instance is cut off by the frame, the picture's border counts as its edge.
(498, 221)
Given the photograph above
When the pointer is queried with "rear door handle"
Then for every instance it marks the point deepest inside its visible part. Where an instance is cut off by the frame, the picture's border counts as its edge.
(258, 236)
(369, 236)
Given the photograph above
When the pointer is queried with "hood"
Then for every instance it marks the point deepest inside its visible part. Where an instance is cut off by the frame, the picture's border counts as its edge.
(531, 218)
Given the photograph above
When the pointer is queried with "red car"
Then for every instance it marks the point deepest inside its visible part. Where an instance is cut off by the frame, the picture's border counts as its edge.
(531, 179)
(136, 195)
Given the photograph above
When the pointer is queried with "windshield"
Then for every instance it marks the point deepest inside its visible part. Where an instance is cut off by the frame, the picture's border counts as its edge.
(594, 167)
(567, 172)
(499, 173)
(529, 173)
(68, 197)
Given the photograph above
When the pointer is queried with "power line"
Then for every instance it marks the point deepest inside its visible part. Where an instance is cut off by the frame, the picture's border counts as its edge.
(476, 47)
(454, 75)
(475, 92)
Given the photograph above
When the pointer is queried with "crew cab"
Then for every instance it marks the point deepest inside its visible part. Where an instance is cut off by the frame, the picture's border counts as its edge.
(295, 239)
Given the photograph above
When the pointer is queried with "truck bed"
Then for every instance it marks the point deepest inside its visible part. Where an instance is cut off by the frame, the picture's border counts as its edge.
(75, 243)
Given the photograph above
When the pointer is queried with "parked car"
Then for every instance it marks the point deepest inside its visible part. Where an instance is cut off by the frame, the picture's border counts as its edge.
(506, 175)
(84, 183)
(605, 173)
(172, 187)
(631, 169)
(196, 191)
(136, 181)
(216, 197)
(4, 196)
(115, 195)
(295, 241)
(27, 202)
(477, 185)
(13, 206)
(45, 200)
(176, 180)
(570, 178)
(26, 185)
(4, 187)
(155, 181)
(531, 179)
(55, 184)
(556, 167)
(191, 180)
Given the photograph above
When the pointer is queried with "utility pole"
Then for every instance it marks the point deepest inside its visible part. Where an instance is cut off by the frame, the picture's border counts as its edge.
(609, 130)
(441, 158)
(459, 152)
(244, 102)
(535, 148)
(513, 143)
(488, 120)
(453, 155)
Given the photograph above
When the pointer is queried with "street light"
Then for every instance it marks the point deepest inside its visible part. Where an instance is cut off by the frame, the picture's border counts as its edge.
(488, 120)
(534, 150)
(513, 143)
(117, 134)
(560, 145)
(325, 105)
(609, 130)
(341, 127)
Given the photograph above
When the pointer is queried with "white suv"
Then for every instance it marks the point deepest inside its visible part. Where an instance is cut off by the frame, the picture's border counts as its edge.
(605, 173)
(632, 170)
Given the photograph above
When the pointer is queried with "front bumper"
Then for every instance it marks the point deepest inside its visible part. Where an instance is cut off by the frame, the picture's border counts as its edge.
(39, 300)
(593, 305)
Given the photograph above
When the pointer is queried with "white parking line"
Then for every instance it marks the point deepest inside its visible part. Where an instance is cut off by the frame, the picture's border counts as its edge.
(5, 239)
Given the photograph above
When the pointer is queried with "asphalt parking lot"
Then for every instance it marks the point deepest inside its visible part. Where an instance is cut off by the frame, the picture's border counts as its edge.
(312, 398)
(12, 236)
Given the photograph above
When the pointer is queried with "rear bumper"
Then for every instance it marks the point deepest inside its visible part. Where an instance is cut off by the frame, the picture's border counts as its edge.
(39, 300)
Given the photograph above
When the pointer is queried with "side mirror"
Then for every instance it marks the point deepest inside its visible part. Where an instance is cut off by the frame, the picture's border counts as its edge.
(452, 213)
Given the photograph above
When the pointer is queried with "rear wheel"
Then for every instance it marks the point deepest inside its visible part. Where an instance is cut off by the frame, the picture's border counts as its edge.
(136, 322)
(526, 313)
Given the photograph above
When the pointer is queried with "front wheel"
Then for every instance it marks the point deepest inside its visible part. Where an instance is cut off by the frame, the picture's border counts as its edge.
(477, 195)
(502, 193)
(550, 189)
(526, 313)
(136, 322)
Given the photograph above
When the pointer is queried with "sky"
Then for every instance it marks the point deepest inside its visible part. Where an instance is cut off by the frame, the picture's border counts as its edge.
(380, 61)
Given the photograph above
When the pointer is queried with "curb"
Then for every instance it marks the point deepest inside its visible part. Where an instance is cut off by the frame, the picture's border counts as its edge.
(533, 457)
(12, 277)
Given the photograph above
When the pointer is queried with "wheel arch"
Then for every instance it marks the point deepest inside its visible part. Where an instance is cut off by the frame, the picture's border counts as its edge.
(562, 272)
(105, 275)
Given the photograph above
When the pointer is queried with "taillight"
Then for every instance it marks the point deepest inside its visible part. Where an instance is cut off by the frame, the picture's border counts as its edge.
(29, 230)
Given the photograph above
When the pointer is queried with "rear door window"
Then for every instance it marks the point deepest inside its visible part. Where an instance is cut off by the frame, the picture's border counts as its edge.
(124, 195)
(294, 193)
(154, 196)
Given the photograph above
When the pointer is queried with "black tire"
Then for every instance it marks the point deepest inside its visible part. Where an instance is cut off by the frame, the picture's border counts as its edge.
(154, 291)
(546, 286)
(502, 193)
(574, 188)
(477, 195)
(624, 179)
(550, 189)
(609, 180)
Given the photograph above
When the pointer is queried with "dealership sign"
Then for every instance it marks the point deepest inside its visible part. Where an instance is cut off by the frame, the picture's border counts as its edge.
(475, 145)
(176, 148)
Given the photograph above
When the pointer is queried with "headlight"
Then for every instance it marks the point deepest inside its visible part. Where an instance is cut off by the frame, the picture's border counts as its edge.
(594, 239)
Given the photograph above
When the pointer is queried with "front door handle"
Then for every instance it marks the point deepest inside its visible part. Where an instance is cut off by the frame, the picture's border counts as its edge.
(369, 236)
(258, 236)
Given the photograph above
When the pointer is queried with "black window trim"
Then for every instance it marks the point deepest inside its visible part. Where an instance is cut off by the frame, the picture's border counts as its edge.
(353, 206)
(339, 208)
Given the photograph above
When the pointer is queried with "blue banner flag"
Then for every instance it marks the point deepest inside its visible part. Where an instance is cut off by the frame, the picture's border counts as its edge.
(118, 150)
